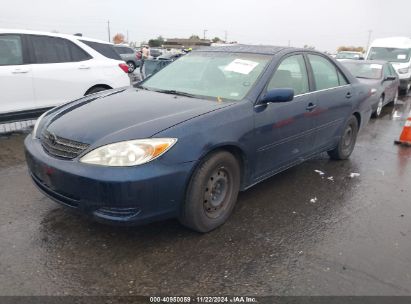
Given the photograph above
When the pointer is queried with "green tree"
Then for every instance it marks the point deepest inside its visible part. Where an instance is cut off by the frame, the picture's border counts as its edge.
(216, 39)
(158, 42)
(194, 37)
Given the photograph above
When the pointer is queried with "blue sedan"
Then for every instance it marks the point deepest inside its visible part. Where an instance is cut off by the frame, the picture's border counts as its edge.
(184, 142)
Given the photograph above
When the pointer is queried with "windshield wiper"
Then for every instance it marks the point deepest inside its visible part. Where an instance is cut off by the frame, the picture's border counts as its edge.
(139, 86)
(174, 92)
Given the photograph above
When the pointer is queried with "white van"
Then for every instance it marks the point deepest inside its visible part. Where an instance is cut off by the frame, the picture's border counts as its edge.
(396, 50)
(40, 70)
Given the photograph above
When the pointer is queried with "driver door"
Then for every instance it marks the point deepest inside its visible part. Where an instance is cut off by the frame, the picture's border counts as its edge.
(284, 131)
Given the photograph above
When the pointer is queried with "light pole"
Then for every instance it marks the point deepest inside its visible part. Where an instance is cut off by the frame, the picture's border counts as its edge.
(369, 40)
(108, 30)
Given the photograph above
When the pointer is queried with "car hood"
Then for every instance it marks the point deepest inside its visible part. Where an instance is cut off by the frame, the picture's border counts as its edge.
(125, 114)
(372, 82)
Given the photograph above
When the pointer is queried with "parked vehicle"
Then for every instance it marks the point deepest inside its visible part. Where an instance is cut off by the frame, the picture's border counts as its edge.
(152, 66)
(155, 52)
(349, 55)
(384, 82)
(40, 70)
(129, 55)
(396, 50)
(185, 141)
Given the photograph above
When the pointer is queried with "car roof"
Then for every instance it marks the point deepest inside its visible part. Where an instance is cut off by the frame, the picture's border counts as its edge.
(67, 36)
(397, 42)
(246, 48)
(365, 61)
(355, 52)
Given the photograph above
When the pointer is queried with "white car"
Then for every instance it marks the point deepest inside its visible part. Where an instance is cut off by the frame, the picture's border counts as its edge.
(397, 51)
(40, 70)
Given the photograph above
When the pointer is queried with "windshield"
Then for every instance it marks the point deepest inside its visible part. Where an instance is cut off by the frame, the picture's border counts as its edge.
(389, 54)
(217, 75)
(364, 70)
(348, 55)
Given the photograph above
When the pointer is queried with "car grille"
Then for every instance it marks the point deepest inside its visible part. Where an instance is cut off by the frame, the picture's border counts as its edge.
(61, 147)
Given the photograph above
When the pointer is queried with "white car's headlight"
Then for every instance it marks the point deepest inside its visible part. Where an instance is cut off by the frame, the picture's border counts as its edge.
(403, 70)
(129, 153)
(36, 125)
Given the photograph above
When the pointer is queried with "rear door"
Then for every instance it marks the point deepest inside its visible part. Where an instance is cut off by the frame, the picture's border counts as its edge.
(16, 83)
(332, 100)
(284, 131)
(62, 71)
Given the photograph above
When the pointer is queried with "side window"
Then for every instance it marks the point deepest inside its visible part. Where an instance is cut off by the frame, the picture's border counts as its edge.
(50, 49)
(77, 53)
(392, 71)
(105, 49)
(325, 72)
(387, 71)
(291, 73)
(341, 79)
(11, 52)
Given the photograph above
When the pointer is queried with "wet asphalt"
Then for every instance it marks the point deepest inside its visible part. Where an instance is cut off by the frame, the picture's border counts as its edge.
(298, 233)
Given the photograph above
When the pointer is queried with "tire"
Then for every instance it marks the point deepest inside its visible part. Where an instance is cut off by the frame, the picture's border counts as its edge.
(95, 90)
(347, 141)
(212, 192)
(380, 105)
(395, 100)
(131, 66)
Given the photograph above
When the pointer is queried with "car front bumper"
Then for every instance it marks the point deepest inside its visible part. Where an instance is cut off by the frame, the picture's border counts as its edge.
(127, 195)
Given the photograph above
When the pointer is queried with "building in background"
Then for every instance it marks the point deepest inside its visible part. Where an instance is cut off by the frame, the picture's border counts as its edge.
(181, 43)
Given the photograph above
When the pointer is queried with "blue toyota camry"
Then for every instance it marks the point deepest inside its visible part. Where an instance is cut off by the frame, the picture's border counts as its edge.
(185, 141)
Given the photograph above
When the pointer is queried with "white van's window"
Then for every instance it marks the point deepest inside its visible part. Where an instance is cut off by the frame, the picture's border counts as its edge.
(389, 54)
(10, 50)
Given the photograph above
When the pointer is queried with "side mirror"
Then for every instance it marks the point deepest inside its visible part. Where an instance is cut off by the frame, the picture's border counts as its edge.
(278, 95)
(390, 78)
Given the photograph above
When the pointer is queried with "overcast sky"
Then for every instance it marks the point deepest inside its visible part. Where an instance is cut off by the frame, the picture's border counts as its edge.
(325, 24)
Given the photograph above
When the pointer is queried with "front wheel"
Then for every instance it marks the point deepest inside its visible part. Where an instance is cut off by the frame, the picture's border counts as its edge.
(395, 100)
(347, 141)
(380, 105)
(212, 192)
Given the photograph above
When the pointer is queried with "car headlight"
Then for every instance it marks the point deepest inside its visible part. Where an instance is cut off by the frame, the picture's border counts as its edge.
(129, 153)
(403, 70)
(36, 125)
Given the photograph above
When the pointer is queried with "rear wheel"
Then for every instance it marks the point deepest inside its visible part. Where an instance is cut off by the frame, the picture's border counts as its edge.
(347, 141)
(131, 66)
(212, 192)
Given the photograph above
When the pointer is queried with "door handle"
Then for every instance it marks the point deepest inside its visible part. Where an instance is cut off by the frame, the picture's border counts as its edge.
(348, 95)
(20, 71)
(84, 67)
(311, 107)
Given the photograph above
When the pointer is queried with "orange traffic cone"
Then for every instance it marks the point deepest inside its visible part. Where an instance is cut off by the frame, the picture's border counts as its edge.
(405, 138)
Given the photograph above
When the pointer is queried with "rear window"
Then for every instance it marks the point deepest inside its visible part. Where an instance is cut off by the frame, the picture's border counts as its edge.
(124, 50)
(107, 50)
